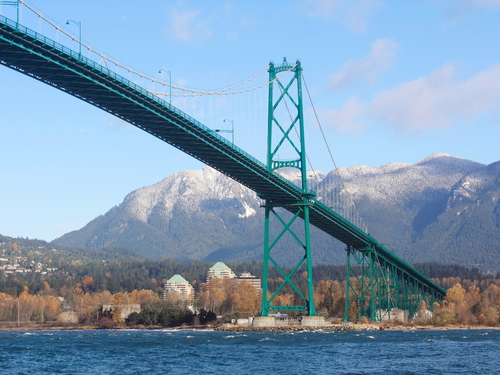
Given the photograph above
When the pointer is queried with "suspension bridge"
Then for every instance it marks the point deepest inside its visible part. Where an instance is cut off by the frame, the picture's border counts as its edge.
(376, 281)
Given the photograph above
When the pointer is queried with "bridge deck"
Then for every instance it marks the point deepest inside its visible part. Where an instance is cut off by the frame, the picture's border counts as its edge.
(35, 55)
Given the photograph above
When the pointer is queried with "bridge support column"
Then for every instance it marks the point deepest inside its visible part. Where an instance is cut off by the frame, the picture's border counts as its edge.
(363, 285)
(285, 116)
(375, 285)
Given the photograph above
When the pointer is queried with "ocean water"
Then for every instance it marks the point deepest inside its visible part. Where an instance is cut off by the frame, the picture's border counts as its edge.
(212, 352)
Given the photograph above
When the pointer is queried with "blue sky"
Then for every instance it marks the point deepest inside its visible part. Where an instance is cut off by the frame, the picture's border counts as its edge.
(391, 81)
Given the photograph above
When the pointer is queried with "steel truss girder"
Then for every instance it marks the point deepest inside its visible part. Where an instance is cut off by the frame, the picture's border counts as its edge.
(375, 285)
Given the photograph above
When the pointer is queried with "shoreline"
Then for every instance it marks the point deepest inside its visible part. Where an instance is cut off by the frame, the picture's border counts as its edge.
(284, 328)
(352, 328)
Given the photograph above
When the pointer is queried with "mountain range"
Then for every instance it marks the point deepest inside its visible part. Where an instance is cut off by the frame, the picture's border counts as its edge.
(442, 209)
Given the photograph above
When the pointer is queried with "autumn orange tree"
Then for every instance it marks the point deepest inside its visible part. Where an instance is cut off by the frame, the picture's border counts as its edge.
(229, 296)
(90, 306)
(469, 306)
(27, 307)
(7, 306)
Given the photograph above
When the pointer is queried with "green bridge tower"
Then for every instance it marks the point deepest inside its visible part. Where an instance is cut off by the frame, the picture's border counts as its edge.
(286, 135)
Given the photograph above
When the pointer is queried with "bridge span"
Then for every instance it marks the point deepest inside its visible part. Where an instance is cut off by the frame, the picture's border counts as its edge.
(45, 60)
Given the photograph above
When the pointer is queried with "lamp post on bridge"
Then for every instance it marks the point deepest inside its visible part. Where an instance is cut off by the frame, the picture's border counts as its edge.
(14, 3)
(79, 24)
(169, 72)
(227, 130)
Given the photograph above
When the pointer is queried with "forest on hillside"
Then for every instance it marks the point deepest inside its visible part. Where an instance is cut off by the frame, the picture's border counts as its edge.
(125, 276)
(122, 270)
(86, 280)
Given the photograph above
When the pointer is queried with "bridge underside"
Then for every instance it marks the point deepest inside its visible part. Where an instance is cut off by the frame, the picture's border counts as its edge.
(38, 57)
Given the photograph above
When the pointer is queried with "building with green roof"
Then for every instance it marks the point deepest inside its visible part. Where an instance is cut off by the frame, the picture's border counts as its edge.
(178, 284)
(220, 271)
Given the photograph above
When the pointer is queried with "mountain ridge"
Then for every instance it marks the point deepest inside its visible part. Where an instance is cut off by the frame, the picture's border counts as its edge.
(202, 214)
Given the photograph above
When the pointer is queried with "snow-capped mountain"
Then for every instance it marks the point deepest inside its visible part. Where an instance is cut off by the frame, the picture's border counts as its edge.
(202, 214)
(188, 215)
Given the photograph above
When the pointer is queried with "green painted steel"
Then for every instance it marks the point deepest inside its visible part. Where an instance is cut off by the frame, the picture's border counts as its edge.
(294, 109)
(43, 59)
(376, 285)
(15, 4)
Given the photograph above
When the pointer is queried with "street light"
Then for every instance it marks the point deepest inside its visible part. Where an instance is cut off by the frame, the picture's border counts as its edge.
(226, 130)
(14, 3)
(169, 82)
(79, 24)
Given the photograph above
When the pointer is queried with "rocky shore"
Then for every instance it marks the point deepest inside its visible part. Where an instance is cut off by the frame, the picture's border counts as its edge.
(297, 328)
(242, 328)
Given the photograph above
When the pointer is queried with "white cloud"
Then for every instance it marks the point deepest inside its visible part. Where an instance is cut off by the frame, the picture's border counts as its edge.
(352, 12)
(483, 3)
(430, 102)
(457, 9)
(436, 101)
(116, 123)
(379, 59)
(249, 22)
(186, 26)
(348, 119)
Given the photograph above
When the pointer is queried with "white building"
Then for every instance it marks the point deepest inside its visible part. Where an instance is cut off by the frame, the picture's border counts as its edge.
(252, 280)
(220, 271)
(178, 284)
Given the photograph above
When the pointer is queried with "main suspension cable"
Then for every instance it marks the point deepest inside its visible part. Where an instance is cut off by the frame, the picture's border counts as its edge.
(191, 92)
(351, 201)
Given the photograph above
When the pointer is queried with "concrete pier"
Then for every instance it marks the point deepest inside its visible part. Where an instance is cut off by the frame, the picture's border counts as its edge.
(313, 321)
(264, 321)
